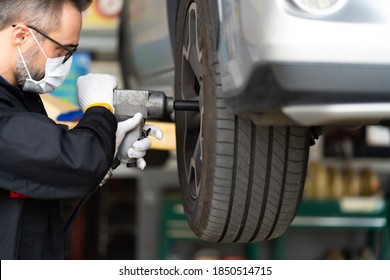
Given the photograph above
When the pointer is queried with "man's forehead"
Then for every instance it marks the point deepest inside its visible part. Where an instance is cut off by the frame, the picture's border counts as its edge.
(70, 26)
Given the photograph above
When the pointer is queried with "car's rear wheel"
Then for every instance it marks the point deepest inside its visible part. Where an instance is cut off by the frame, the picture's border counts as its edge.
(240, 182)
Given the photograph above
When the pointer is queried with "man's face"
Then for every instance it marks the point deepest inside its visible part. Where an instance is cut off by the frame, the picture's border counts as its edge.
(67, 34)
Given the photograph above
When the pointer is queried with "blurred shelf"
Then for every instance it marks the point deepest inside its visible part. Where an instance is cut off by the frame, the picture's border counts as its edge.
(381, 165)
(369, 214)
(356, 213)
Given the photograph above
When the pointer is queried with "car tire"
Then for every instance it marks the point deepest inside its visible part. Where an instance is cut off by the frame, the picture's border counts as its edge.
(240, 182)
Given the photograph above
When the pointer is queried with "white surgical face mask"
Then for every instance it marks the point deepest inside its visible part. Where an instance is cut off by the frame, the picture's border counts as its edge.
(55, 73)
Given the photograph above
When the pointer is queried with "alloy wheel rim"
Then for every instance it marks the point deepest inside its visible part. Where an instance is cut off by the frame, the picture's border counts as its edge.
(192, 89)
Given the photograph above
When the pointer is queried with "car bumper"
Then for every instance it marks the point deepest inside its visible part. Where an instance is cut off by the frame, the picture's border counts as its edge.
(356, 103)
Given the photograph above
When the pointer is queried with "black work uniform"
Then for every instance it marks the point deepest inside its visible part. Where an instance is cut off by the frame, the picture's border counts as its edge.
(45, 162)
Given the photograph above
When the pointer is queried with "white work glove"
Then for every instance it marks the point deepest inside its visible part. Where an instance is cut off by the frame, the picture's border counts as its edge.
(135, 150)
(96, 90)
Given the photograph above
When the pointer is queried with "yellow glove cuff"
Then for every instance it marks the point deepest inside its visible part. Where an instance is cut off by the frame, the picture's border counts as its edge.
(108, 106)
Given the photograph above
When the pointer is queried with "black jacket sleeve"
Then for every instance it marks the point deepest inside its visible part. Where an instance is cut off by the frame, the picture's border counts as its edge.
(44, 160)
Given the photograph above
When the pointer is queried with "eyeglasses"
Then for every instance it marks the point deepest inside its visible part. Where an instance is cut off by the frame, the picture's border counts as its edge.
(69, 53)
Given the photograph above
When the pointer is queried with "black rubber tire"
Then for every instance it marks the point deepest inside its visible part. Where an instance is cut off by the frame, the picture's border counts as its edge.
(240, 182)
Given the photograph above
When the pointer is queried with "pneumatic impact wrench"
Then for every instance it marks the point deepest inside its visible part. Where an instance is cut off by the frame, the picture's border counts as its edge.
(151, 104)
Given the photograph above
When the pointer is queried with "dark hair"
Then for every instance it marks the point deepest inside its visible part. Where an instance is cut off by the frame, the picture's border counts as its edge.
(42, 14)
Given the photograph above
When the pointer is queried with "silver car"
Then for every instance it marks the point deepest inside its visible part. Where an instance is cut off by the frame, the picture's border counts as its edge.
(270, 76)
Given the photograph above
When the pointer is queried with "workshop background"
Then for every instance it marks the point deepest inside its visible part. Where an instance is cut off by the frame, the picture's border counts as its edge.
(138, 214)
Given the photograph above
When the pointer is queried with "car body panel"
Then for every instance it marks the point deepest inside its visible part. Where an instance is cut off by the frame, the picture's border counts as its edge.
(310, 54)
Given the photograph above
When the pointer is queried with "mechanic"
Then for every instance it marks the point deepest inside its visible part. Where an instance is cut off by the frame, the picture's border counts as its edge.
(41, 161)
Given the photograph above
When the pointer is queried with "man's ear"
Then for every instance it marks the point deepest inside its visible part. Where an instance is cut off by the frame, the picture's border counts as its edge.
(19, 34)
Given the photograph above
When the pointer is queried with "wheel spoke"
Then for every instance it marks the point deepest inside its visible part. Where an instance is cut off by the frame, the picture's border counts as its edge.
(194, 175)
(192, 52)
(194, 61)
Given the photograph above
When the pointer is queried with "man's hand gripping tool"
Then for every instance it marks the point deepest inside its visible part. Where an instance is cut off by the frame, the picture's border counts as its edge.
(152, 105)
